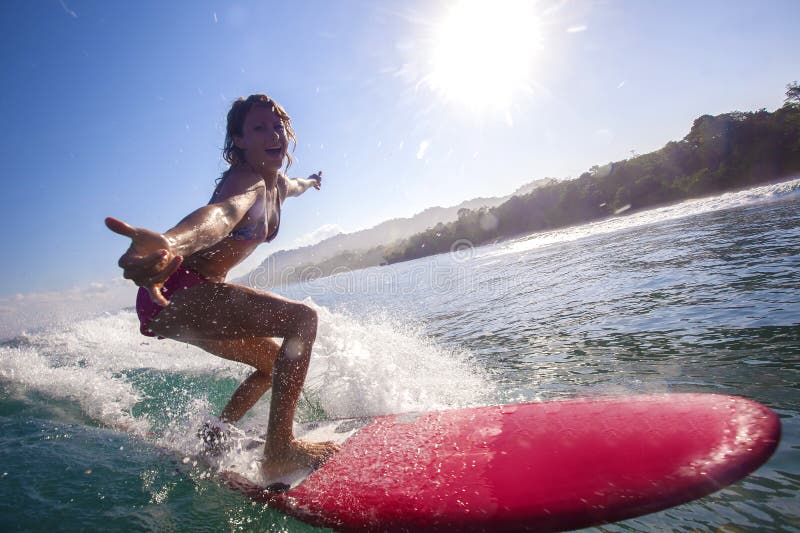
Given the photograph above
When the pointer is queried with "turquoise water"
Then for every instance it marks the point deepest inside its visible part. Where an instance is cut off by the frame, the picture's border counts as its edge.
(97, 421)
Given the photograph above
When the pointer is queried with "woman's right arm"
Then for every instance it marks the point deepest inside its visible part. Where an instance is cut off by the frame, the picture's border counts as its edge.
(211, 223)
(153, 257)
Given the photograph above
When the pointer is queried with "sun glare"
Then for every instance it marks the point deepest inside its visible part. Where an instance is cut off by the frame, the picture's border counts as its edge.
(484, 51)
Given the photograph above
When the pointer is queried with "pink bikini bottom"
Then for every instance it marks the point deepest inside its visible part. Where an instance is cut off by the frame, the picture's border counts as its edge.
(183, 278)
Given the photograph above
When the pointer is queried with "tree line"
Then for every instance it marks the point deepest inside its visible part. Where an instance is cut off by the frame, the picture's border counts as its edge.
(721, 153)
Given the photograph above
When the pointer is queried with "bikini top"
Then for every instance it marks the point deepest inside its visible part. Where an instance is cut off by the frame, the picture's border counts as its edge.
(250, 233)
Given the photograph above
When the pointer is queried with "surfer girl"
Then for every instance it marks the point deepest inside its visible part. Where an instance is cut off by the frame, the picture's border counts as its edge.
(183, 294)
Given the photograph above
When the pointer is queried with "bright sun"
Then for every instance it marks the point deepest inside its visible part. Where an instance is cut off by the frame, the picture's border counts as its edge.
(484, 51)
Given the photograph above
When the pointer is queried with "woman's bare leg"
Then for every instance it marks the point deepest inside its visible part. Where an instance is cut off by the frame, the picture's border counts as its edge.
(260, 353)
(246, 396)
(221, 311)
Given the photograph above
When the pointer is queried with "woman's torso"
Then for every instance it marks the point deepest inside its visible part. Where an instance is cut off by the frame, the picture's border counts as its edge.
(261, 221)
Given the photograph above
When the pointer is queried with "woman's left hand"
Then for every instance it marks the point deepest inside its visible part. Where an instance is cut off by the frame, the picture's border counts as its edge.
(318, 178)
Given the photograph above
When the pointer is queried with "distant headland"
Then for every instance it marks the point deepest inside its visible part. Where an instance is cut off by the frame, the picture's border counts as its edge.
(727, 152)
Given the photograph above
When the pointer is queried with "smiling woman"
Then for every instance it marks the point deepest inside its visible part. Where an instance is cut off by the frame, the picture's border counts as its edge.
(484, 52)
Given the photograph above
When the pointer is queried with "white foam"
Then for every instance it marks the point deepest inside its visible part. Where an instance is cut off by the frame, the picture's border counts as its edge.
(364, 367)
(83, 362)
(358, 368)
(100, 394)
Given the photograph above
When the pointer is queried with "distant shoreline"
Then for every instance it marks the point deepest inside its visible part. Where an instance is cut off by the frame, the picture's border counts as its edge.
(721, 154)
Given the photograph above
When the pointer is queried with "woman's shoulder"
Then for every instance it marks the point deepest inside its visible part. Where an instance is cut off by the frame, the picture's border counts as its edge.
(238, 180)
(283, 185)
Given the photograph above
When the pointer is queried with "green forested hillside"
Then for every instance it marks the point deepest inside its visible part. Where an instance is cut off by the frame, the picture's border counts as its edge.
(725, 152)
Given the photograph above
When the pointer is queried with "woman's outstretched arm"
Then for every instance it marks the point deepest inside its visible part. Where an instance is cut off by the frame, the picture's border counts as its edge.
(297, 186)
(211, 223)
(153, 257)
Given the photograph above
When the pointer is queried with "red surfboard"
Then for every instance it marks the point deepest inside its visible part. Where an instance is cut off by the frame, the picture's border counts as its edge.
(546, 466)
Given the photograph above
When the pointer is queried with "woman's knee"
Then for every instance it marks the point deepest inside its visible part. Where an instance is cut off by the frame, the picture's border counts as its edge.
(310, 318)
(306, 321)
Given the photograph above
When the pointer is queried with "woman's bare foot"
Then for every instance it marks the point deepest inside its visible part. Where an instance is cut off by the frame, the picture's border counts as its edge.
(296, 455)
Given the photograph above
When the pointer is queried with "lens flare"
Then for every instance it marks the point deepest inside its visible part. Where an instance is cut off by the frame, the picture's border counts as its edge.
(484, 53)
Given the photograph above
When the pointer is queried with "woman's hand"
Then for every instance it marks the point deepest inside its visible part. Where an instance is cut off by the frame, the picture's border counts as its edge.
(318, 178)
(297, 186)
(149, 261)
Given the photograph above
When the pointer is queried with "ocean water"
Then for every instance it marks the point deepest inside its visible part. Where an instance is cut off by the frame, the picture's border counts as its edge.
(97, 422)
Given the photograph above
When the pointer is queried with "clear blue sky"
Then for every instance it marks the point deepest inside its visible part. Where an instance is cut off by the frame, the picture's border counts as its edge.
(118, 108)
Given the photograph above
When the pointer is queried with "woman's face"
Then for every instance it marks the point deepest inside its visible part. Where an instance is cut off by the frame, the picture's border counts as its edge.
(263, 139)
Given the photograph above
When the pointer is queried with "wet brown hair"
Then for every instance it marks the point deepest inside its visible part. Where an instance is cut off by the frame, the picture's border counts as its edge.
(241, 106)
